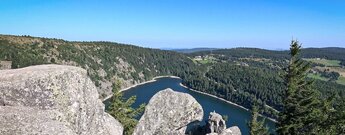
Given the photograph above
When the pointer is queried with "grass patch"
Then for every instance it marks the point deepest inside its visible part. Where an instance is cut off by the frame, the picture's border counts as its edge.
(326, 62)
(341, 80)
(206, 60)
(317, 76)
(340, 70)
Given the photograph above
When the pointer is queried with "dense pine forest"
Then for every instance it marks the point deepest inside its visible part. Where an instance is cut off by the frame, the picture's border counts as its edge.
(240, 75)
(250, 75)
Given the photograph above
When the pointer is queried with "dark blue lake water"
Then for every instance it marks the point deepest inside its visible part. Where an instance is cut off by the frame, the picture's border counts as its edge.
(237, 116)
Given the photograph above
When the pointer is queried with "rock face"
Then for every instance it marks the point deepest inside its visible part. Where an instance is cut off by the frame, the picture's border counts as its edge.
(216, 126)
(229, 131)
(169, 113)
(5, 65)
(52, 99)
(215, 123)
(232, 131)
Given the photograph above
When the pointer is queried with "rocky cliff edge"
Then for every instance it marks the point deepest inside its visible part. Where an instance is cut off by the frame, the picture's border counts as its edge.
(52, 99)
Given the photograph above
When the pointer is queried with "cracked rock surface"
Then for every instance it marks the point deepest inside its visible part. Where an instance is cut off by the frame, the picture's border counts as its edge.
(52, 99)
(168, 113)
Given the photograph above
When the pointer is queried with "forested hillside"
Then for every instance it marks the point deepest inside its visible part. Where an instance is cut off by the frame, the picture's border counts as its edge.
(106, 62)
(333, 53)
(192, 50)
(249, 75)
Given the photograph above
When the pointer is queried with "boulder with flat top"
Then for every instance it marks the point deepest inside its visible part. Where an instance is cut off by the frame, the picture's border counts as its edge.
(168, 113)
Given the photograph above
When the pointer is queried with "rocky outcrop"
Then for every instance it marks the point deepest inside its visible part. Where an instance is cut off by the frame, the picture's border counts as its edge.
(52, 99)
(216, 126)
(229, 131)
(215, 123)
(5, 65)
(169, 113)
(232, 131)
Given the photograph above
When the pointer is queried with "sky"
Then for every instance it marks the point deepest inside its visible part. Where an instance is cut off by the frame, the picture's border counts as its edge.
(269, 24)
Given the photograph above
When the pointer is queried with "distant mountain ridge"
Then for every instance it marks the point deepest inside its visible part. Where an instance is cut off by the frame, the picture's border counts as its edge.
(336, 53)
(192, 50)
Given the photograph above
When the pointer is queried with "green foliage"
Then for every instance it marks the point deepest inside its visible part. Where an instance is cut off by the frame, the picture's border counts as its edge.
(341, 80)
(335, 122)
(121, 110)
(22, 56)
(257, 127)
(331, 53)
(317, 76)
(205, 60)
(260, 80)
(245, 52)
(239, 84)
(325, 62)
(333, 76)
(303, 113)
(116, 60)
(225, 117)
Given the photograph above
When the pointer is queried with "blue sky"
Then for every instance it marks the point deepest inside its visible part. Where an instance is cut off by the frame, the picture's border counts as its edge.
(269, 24)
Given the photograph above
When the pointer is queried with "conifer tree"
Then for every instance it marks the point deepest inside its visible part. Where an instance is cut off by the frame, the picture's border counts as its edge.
(257, 127)
(335, 117)
(121, 110)
(301, 112)
(338, 116)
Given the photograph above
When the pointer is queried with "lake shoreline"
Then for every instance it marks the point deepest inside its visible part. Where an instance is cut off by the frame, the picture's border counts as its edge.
(157, 77)
(229, 102)
(142, 83)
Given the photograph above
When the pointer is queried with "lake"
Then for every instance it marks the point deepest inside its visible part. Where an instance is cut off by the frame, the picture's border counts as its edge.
(237, 116)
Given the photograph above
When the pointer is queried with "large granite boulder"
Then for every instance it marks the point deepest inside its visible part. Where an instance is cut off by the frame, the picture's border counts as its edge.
(168, 113)
(52, 99)
(229, 131)
(232, 131)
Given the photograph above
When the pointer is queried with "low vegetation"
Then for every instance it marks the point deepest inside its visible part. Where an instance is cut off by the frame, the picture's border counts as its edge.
(121, 109)
(317, 76)
(341, 80)
(204, 60)
(324, 62)
(257, 127)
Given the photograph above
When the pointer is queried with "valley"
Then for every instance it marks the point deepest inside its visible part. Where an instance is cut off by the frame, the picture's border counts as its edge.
(243, 76)
(238, 116)
(177, 67)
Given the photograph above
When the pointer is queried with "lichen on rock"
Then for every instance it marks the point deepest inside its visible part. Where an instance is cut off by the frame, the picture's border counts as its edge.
(58, 100)
(168, 113)
(216, 126)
